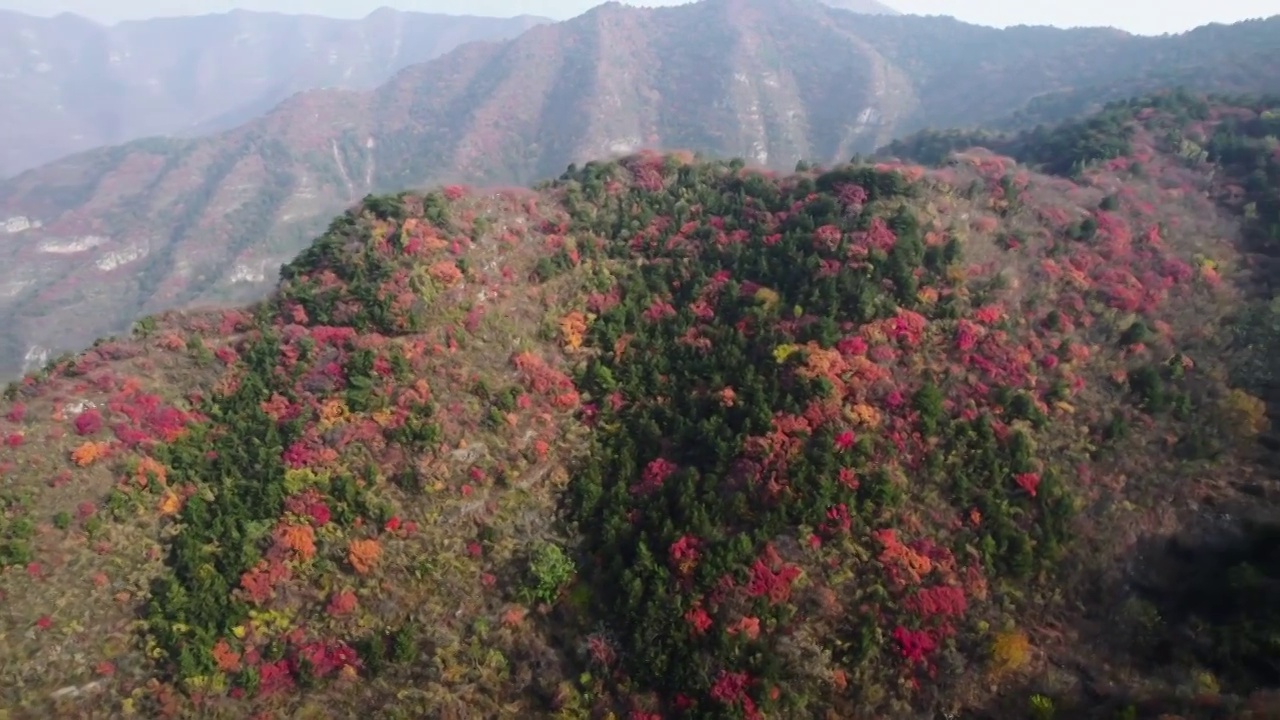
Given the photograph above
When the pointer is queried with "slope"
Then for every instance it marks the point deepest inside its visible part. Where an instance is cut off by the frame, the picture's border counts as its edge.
(73, 84)
(866, 7)
(155, 225)
(662, 438)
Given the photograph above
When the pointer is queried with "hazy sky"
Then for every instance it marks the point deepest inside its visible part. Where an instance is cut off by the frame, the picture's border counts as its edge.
(1140, 16)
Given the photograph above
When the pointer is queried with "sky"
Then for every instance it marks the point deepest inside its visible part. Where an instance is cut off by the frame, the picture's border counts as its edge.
(1147, 17)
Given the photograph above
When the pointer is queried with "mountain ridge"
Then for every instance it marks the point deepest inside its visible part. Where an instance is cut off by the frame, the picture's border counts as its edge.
(616, 79)
(85, 84)
(865, 7)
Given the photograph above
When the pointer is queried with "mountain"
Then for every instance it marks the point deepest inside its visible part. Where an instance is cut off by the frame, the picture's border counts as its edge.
(675, 438)
(869, 7)
(158, 224)
(73, 85)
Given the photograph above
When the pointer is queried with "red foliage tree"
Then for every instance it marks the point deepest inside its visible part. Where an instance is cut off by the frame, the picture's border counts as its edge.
(88, 422)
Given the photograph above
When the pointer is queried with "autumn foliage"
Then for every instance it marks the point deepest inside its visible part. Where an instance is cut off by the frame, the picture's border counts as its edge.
(665, 439)
(363, 555)
(88, 453)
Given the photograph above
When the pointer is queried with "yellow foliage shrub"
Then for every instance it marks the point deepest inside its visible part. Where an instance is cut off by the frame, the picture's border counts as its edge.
(1246, 413)
(782, 352)
(170, 503)
(1010, 652)
(333, 411)
(572, 327)
(865, 415)
(767, 298)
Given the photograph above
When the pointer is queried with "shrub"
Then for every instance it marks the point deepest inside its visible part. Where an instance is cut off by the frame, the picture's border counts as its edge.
(550, 569)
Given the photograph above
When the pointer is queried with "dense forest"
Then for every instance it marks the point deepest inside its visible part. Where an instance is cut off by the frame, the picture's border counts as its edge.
(670, 437)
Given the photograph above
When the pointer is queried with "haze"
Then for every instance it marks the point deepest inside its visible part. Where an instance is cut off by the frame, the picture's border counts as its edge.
(1147, 17)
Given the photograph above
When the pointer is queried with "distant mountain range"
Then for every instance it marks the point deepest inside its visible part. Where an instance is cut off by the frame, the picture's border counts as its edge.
(869, 7)
(93, 241)
(71, 84)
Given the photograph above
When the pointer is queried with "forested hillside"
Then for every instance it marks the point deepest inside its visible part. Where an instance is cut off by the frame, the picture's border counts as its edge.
(97, 240)
(675, 438)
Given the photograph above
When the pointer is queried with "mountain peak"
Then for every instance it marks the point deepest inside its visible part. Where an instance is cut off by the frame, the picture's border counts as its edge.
(865, 7)
(384, 11)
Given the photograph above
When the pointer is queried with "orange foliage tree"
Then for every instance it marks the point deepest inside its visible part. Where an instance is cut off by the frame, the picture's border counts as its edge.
(89, 453)
(363, 555)
(572, 327)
